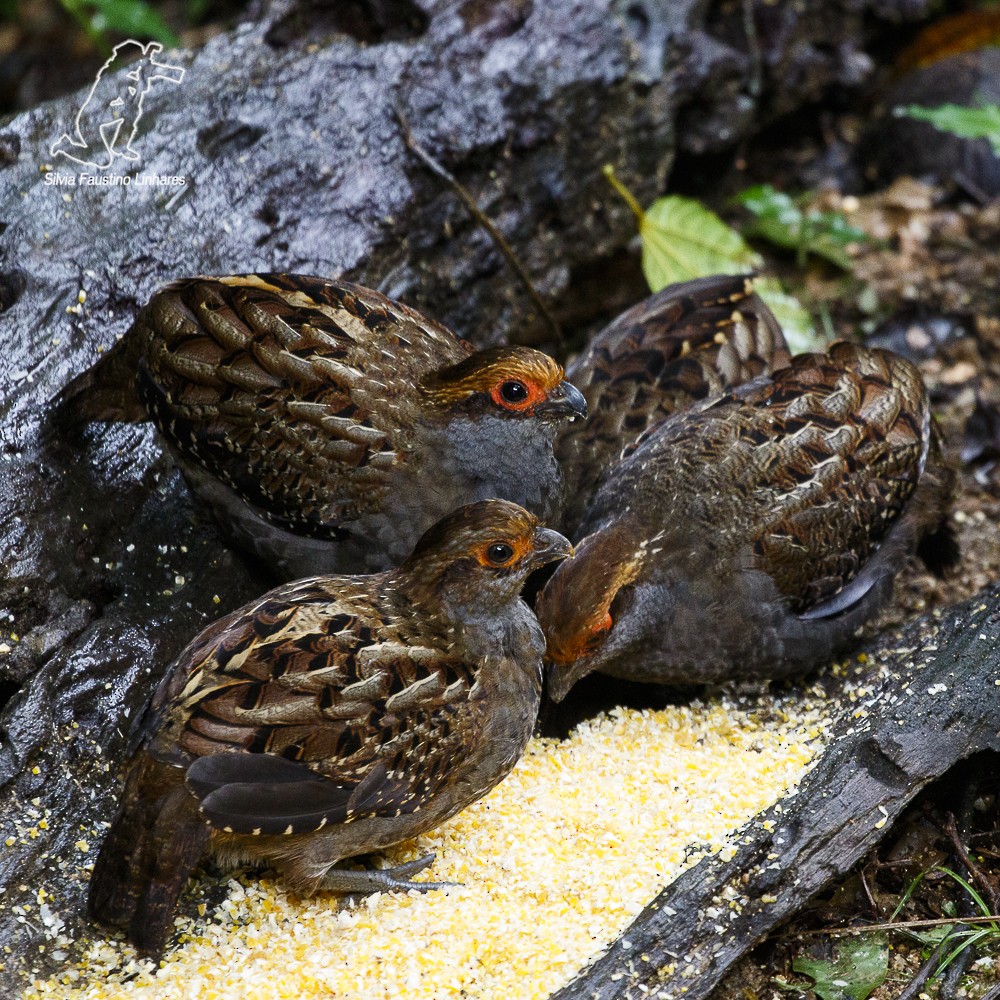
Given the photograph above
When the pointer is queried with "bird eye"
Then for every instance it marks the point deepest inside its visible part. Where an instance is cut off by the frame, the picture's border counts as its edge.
(499, 553)
(514, 392)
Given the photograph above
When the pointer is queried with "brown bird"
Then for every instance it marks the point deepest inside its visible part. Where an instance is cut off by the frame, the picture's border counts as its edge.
(325, 424)
(751, 534)
(691, 340)
(334, 716)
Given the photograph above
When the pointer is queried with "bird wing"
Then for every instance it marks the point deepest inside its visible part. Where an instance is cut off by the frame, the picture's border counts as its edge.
(292, 392)
(256, 793)
(813, 467)
(689, 341)
(360, 711)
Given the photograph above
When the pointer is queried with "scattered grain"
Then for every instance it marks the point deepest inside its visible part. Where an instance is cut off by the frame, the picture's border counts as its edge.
(551, 868)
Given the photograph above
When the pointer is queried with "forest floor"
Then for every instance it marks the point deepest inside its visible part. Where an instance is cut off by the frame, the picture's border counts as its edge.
(925, 285)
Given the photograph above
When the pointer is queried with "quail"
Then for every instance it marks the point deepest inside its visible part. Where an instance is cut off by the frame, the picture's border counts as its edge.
(689, 341)
(334, 716)
(750, 535)
(325, 424)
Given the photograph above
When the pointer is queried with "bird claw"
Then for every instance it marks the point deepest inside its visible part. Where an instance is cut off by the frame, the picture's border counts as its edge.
(414, 867)
(396, 879)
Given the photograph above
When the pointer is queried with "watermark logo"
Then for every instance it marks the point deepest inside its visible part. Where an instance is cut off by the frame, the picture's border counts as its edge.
(106, 125)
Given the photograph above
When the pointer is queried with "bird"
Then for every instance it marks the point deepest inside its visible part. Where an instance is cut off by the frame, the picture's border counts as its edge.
(326, 425)
(691, 340)
(748, 536)
(334, 716)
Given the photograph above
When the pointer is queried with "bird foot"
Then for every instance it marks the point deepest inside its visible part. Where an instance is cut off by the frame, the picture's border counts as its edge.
(397, 879)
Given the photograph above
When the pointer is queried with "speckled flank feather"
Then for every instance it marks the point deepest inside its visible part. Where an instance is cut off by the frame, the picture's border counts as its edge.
(334, 716)
(327, 672)
(817, 462)
(752, 533)
(689, 341)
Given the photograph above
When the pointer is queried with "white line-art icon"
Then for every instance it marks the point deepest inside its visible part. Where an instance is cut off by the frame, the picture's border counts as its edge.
(107, 122)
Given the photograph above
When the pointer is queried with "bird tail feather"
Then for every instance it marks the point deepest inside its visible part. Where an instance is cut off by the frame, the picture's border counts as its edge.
(104, 392)
(147, 857)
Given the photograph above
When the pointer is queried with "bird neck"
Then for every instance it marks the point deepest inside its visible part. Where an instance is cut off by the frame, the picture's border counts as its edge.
(445, 591)
(485, 456)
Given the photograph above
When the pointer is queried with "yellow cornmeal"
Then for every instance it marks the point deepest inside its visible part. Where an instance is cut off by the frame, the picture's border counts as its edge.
(554, 864)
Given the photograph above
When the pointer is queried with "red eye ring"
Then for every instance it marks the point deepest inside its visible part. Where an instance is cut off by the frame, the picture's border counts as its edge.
(516, 394)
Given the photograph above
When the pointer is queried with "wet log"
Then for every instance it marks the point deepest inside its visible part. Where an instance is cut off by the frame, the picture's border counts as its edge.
(286, 133)
(928, 700)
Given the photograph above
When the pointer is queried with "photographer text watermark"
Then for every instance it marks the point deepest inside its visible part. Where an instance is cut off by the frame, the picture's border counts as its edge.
(56, 178)
(107, 123)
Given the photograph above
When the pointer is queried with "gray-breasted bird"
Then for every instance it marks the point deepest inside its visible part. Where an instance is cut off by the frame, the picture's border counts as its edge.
(751, 534)
(326, 425)
(333, 717)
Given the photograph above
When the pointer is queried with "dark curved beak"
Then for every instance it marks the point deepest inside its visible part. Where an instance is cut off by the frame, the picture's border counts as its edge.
(565, 400)
(548, 546)
(559, 680)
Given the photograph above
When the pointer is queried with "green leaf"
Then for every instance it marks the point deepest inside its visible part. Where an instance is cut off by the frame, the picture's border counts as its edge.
(981, 903)
(905, 898)
(966, 939)
(793, 318)
(967, 123)
(855, 972)
(681, 239)
(779, 220)
(931, 937)
(132, 18)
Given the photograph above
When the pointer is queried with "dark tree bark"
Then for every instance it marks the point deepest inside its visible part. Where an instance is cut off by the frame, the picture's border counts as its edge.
(286, 133)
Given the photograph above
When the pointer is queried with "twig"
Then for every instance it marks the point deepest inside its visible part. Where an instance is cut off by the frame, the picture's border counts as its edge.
(961, 960)
(900, 925)
(477, 213)
(756, 78)
(953, 975)
(916, 984)
(868, 893)
(974, 872)
(992, 994)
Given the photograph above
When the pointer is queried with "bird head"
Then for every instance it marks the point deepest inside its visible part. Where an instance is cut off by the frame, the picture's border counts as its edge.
(587, 606)
(512, 383)
(479, 556)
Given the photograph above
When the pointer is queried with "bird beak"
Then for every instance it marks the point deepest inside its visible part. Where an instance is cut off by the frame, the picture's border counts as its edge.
(565, 400)
(548, 546)
(560, 679)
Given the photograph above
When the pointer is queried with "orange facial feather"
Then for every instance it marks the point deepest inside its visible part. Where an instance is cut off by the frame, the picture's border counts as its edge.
(574, 609)
(487, 371)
